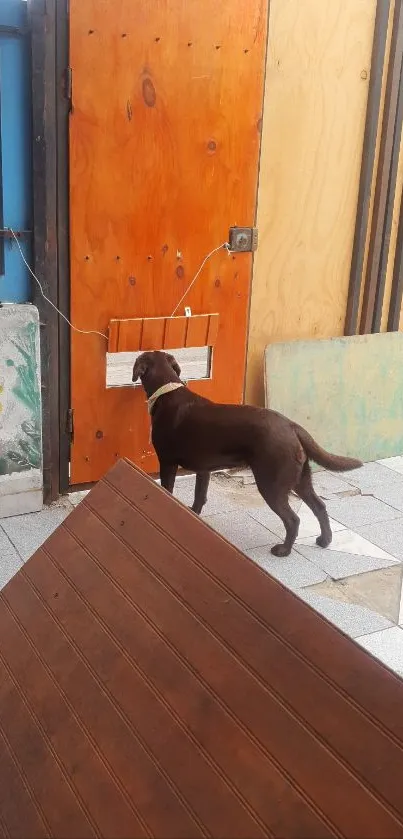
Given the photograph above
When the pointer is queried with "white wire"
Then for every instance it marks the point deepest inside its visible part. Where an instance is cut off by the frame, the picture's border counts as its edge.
(224, 245)
(94, 331)
(75, 328)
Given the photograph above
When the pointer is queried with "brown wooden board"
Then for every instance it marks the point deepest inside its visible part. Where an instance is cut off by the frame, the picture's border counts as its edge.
(155, 682)
(167, 102)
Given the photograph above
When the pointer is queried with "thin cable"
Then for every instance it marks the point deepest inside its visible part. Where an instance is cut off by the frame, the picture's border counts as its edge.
(94, 331)
(75, 328)
(224, 245)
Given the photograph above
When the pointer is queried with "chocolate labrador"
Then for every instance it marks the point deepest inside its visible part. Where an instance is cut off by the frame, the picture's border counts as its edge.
(202, 436)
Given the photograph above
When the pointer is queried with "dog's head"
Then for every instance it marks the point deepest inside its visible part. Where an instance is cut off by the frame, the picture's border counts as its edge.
(155, 369)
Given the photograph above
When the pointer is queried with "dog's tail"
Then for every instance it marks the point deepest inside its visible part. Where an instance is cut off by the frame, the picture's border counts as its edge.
(321, 456)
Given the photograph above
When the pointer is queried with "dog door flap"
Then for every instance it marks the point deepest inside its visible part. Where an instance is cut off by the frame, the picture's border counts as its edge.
(141, 334)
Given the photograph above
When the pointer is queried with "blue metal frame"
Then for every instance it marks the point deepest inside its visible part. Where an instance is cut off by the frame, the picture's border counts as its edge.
(15, 158)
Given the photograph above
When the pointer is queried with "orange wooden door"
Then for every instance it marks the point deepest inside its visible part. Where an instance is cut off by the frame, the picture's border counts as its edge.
(164, 154)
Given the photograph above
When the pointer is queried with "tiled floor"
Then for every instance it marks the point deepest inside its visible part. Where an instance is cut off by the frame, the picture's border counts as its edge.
(356, 582)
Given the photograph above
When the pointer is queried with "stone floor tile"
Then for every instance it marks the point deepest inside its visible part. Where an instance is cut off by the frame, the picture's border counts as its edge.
(387, 645)
(242, 530)
(386, 535)
(218, 501)
(394, 463)
(379, 591)
(10, 562)
(328, 484)
(352, 619)
(76, 498)
(370, 476)
(293, 571)
(308, 525)
(349, 542)
(391, 494)
(359, 510)
(28, 533)
(341, 562)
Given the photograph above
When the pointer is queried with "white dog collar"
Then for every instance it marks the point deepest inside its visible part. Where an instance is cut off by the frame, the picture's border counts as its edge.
(160, 392)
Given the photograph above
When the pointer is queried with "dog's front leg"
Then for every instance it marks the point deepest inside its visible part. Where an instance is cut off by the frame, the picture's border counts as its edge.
(202, 482)
(168, 475)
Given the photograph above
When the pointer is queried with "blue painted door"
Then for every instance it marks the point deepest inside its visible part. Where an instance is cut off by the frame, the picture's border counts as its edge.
(15, 148)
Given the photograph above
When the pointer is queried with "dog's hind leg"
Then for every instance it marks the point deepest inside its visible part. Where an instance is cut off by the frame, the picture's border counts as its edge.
(201, 487)
(305, 490)
(168, 475)
(276, 496)
(290, 521)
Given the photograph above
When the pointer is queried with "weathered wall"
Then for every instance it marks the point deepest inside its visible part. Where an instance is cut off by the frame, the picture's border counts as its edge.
(318, 68)
(20, 411)
(362, 375)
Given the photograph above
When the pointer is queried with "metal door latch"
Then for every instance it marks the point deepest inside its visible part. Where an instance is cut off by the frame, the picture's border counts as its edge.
(243, 239)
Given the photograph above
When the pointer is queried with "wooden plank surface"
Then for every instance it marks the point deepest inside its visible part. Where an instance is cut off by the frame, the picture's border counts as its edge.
(155, 682)
(164, 151)
(316, 89)
(141, 334)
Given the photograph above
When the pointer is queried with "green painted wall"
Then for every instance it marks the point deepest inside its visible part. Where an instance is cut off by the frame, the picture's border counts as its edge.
(348, 392)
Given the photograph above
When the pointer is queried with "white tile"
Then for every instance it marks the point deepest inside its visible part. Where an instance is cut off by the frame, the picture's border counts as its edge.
(242, 530)
(394, 463)
(391, 494)
(388, 535)
(328, 485)
(338, 564)
(352, 543)
(218, 498)
(293, 571)
(21, 503)
(351, 618)
(309, 525)
(10, 562)
(76, 498)
(28, 533)
(370, 476)
(386, 645)
(360, 510)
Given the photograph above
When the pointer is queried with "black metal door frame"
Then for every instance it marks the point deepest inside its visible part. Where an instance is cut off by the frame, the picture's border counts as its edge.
(50, 114)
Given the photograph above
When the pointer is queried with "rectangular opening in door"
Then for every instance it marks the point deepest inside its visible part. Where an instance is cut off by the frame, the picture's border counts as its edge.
(195, 364)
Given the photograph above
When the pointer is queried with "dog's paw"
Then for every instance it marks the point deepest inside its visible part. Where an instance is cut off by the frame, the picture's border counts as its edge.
(324, 541)
(280, 550)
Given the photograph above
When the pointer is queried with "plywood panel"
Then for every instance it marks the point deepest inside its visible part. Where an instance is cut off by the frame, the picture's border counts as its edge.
(175, 333)
(131, 335)
(348, 392)
(397, 209)
(315, 104)
(164, 148)
(148, 675)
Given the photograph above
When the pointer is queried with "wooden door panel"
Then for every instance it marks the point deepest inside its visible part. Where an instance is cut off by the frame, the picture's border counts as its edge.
(164, 148)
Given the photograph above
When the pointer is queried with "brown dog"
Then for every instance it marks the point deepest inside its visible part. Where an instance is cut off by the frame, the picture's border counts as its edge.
(201, 436)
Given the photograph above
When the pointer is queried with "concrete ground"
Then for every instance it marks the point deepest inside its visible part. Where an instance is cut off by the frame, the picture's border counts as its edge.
(356, 582)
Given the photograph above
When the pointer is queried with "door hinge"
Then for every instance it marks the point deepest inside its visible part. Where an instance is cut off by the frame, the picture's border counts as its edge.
(70, 424)
(68, 86)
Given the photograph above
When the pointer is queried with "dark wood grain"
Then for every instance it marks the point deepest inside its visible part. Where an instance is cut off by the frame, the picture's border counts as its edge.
(367, 166)
(45, 257)
(383, 196)
(155, 682)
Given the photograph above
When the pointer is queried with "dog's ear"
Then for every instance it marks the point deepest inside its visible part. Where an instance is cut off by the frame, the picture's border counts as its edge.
(174, 364)
(140, 367)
